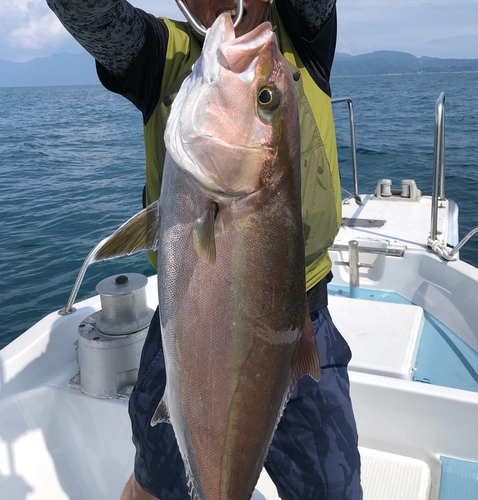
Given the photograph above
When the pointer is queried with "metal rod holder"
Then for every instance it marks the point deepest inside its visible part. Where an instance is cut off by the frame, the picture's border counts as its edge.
(353, 265)
(391, 252)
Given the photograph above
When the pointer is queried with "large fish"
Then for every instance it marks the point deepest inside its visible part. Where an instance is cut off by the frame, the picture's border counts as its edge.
(231, 268)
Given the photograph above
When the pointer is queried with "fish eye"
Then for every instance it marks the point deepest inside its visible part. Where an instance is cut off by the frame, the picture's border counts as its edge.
(265, 96)
(268, 98)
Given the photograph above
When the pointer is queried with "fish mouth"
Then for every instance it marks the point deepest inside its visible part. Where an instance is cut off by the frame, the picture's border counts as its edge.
(241, 54)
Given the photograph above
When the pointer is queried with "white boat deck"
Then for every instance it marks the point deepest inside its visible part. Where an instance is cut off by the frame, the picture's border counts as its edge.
(66, 445)
(58, 443)
(63, 444)
(407, 223)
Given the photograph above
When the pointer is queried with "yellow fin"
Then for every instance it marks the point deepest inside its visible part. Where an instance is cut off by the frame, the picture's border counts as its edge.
(308, 356)
(141, 232)
(161, 414)
(203, 234)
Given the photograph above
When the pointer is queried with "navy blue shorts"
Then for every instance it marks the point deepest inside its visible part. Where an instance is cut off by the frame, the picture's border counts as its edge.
(314, 451)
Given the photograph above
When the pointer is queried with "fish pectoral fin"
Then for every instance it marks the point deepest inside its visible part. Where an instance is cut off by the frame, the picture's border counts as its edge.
(203, 234)
(308, 356)
(141, 232)
(161, 414)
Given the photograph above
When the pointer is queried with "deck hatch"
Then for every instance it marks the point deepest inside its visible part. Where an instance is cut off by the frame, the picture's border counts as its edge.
(383, 336)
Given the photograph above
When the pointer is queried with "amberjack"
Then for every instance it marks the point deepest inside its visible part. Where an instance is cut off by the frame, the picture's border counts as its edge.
(235, 324)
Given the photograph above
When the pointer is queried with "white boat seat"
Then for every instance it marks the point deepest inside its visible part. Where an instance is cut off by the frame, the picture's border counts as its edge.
(383, 476)
(383, 336)
(393, 477)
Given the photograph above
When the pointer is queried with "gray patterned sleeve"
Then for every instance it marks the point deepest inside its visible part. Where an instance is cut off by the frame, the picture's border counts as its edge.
(313, 13)
(112, 31)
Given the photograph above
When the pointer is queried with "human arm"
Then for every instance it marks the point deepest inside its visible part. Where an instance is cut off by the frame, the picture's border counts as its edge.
(112, 31)
(120, 37)
(313, 14)
(312, 28)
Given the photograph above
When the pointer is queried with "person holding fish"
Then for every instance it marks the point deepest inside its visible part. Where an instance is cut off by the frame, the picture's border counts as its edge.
(240, 201)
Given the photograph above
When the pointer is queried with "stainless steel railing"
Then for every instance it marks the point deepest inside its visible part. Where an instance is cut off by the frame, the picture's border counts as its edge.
(463, 241)
(352, 143)
(438, 163)
(440, 246)
(69, 309)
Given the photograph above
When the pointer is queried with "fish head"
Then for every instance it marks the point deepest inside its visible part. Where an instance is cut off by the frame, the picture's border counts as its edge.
(236, 112)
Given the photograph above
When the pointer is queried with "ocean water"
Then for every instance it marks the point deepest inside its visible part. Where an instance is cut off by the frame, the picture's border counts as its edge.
(72, 171)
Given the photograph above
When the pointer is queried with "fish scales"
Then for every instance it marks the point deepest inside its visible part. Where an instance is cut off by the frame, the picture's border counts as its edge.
(228, 336)
(236, 330)
(231, 330)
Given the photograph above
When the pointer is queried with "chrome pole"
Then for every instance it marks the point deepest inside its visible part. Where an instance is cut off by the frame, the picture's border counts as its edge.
(442, 150)
(69, 309)
(352, 146)
(463, 241)
(240, 12)
(352, 143)
(197, 24)
(354, 267)
(438, 162)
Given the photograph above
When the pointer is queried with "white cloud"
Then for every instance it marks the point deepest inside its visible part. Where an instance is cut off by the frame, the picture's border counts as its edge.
(37, 32)
(29, 29)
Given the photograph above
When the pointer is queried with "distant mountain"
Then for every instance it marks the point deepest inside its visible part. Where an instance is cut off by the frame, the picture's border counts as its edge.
(58, 69)
(385, 62)
(79, 69)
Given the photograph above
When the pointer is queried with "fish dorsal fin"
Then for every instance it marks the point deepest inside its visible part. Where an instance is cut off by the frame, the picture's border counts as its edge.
(141, 232)
(308, 356)
(203, 234)
(161, 414)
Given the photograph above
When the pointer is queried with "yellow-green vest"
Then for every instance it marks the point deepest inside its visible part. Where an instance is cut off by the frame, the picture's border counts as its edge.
(321, 197)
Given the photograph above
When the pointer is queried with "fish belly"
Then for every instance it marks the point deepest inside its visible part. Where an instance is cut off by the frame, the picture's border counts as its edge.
(230, 330)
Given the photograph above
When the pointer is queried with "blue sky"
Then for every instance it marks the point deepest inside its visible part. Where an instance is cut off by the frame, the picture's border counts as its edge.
(437, 28)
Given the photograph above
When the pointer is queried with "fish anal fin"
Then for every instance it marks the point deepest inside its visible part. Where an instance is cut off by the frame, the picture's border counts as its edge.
(192, 490)
(308, 355)
(141, 232)
(161, 414)
(203, 234)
